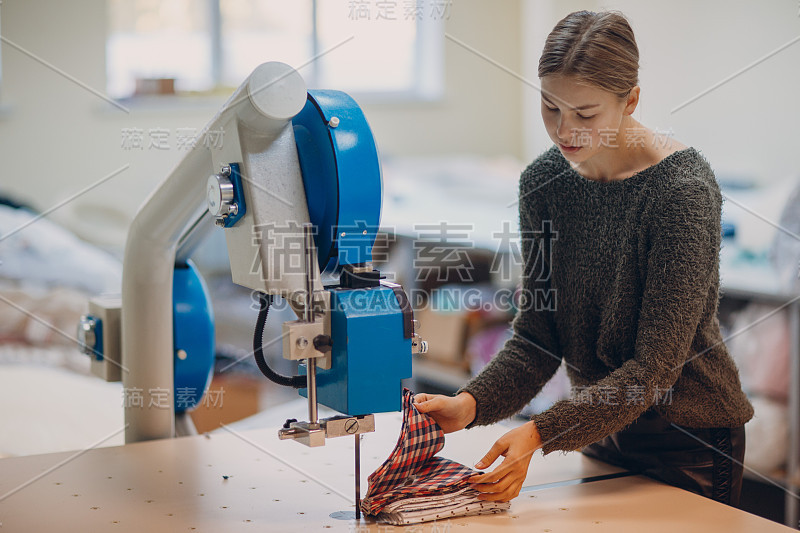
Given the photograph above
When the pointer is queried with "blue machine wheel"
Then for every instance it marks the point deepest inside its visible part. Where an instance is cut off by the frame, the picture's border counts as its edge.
(193, 327)
(342, 177)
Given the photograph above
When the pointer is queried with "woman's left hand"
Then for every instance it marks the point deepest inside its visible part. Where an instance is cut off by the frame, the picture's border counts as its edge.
(504, 482)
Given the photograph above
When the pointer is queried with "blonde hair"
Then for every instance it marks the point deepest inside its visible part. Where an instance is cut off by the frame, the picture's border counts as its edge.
(597, 48)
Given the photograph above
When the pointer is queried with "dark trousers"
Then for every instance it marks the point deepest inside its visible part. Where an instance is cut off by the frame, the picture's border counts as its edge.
(704, 461)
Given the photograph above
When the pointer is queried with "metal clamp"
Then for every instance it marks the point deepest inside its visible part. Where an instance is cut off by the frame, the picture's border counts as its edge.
(341, 426)
(327, 428)
(312, 435)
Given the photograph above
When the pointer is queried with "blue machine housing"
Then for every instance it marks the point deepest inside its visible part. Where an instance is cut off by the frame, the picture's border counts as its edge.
(370, 353)
(193, 332)
(342, 177)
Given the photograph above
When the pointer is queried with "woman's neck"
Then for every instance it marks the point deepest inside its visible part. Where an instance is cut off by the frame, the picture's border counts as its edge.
(625, 158)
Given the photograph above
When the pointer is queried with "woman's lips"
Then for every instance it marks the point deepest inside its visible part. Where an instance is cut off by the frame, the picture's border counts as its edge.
(569, 149)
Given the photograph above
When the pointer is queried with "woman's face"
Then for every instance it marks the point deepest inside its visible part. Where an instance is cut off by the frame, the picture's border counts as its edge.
(583, 119)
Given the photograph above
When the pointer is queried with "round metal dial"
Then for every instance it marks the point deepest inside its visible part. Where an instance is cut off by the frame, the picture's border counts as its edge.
(219, 195)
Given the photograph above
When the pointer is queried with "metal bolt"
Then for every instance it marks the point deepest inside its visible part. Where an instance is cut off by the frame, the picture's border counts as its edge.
(226, 170)
(343, 234)
(364, 232)
(333, 122)
(234, 209)
(351, 426)
(219, 222)
(182, 355)
(301, 343)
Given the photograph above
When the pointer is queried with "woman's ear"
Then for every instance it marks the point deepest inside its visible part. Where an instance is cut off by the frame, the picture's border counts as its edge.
(632, 100)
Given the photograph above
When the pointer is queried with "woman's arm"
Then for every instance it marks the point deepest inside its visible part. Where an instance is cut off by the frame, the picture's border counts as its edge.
(532, 355)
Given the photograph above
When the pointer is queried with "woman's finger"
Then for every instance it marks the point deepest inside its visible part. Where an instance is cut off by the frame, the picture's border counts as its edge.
(499, 486)
(422, 397)
(497, 449)
(507, 495)
(490, 477)
(430, 403)
(516, 462)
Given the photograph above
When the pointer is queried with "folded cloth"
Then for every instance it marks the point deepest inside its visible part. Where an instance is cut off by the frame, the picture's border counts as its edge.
(416, 510)
(413, 485)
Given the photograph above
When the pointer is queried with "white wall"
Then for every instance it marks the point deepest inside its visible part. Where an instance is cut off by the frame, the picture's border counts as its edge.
(748, 126)
(59, 138)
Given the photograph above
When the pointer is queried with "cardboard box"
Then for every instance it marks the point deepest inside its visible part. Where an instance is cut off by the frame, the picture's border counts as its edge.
(228, 399)
(446, 334)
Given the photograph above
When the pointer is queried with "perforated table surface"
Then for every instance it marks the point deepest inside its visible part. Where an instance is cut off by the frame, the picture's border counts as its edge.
(250, 481)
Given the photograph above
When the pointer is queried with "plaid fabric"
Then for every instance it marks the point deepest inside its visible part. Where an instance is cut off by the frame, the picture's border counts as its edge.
(412, 470)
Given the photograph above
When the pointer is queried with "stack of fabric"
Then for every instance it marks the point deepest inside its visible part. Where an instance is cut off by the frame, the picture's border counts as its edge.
(414, 486)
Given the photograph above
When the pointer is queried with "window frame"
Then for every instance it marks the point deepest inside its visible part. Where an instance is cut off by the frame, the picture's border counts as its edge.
(427, 86)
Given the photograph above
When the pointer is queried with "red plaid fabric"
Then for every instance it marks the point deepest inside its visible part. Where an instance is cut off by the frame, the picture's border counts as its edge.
(412, 470)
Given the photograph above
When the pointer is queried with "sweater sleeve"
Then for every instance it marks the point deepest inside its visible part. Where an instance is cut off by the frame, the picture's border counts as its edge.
(531, 356)
(683, 254)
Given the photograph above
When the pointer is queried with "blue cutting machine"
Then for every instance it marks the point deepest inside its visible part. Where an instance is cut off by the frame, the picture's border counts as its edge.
(296, 187)
(371, 323)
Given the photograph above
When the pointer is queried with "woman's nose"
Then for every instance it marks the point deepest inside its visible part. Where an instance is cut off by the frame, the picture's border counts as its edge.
(564, 131)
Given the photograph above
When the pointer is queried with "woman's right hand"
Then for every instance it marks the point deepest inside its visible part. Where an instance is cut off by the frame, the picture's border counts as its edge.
(450, 412)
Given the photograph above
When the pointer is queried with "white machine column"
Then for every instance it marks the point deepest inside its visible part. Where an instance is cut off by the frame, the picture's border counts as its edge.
(264, 104)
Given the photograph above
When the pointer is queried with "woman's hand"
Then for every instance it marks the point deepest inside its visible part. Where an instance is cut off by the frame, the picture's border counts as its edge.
(450, 412)
(504, 482)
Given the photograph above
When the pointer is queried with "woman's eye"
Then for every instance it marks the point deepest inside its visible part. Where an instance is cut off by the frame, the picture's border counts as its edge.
(579, 115)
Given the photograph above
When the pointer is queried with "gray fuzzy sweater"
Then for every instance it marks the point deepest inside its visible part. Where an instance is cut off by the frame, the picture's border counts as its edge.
(621, 282)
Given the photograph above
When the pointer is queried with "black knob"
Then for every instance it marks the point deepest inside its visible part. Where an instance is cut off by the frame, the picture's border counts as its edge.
(323, 343)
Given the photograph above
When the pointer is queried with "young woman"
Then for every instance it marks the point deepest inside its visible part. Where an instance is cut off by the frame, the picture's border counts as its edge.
(620, 232)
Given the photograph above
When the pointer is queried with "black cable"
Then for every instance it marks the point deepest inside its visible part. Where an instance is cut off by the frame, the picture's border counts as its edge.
(298, 382)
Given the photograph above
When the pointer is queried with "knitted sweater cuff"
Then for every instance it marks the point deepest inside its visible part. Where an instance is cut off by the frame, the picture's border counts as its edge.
(554, 438)
(477, 393)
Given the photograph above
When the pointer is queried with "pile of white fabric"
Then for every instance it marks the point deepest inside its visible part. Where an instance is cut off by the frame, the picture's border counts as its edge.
(430, 508)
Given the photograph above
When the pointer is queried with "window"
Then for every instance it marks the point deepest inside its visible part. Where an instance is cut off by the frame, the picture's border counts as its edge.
(375, 48)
